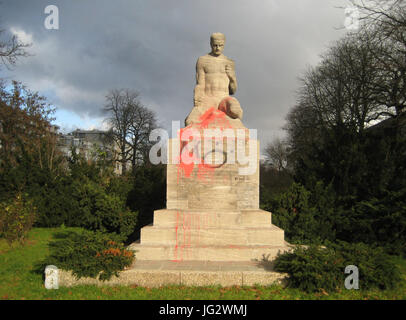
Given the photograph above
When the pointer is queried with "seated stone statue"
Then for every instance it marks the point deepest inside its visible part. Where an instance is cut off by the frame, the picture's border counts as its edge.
(215, 82)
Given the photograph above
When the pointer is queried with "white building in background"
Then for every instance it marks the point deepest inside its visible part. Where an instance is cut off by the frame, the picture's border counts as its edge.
(88, 143)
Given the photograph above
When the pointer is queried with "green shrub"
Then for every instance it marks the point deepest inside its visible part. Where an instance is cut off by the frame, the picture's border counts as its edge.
(56, 204)
(120, 186)
(84, 203)
(99, 210)
(148, 192)
(376, 269)
(380, 220)
(17, 217)
(317, 268)
(312, 268)
(90, 254)
(305, 216)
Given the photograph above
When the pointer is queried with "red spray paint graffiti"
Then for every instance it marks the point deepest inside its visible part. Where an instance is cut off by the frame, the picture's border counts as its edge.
(205, 172)
(212, 116)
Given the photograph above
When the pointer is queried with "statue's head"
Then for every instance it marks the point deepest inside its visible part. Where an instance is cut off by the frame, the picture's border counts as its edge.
(217, 41)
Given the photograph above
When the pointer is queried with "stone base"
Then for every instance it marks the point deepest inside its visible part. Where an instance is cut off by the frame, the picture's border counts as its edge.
(179, 235)
(192, 273)
(212, 204)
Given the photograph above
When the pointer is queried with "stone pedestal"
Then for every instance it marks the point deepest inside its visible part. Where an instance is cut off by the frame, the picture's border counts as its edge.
(212, 205)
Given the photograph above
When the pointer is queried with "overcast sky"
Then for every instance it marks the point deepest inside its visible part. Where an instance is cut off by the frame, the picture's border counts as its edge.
(152, 46)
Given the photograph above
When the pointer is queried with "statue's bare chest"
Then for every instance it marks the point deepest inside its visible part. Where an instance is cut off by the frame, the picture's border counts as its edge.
(213, 65)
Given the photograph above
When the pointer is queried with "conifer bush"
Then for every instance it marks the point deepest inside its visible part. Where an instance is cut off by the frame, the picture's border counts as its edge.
(306, 217)
(89, 254)
(317, 268)
(99, 210)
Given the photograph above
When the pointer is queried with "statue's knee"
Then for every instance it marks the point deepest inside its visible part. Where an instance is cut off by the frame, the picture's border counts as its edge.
(231, 107)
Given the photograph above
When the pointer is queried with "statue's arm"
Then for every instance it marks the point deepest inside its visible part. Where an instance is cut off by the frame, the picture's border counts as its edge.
(200, 83)
(230, 70)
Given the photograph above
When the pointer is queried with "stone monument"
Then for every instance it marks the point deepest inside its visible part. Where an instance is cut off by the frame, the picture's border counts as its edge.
(212, 209)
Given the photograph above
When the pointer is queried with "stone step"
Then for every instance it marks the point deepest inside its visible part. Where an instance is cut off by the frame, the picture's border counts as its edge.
(206, 253)
(185, 236)
(209, 219)
(158, 273)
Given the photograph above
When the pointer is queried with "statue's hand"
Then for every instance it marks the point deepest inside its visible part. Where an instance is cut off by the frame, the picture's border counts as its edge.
(196, 102)
(198, 96)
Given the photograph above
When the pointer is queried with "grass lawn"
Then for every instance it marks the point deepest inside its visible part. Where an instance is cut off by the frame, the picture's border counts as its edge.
(20, 280)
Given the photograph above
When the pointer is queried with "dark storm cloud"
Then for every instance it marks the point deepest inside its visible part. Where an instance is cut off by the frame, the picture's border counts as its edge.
(152, 46)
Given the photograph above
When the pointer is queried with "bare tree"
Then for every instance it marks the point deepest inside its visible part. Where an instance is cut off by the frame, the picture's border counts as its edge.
(11, 50)
(131, 123)
(120, 118)
(144, 121)
(277, 154)
(384, 31)
(338, 91)
(388, 15)
(339, 95)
